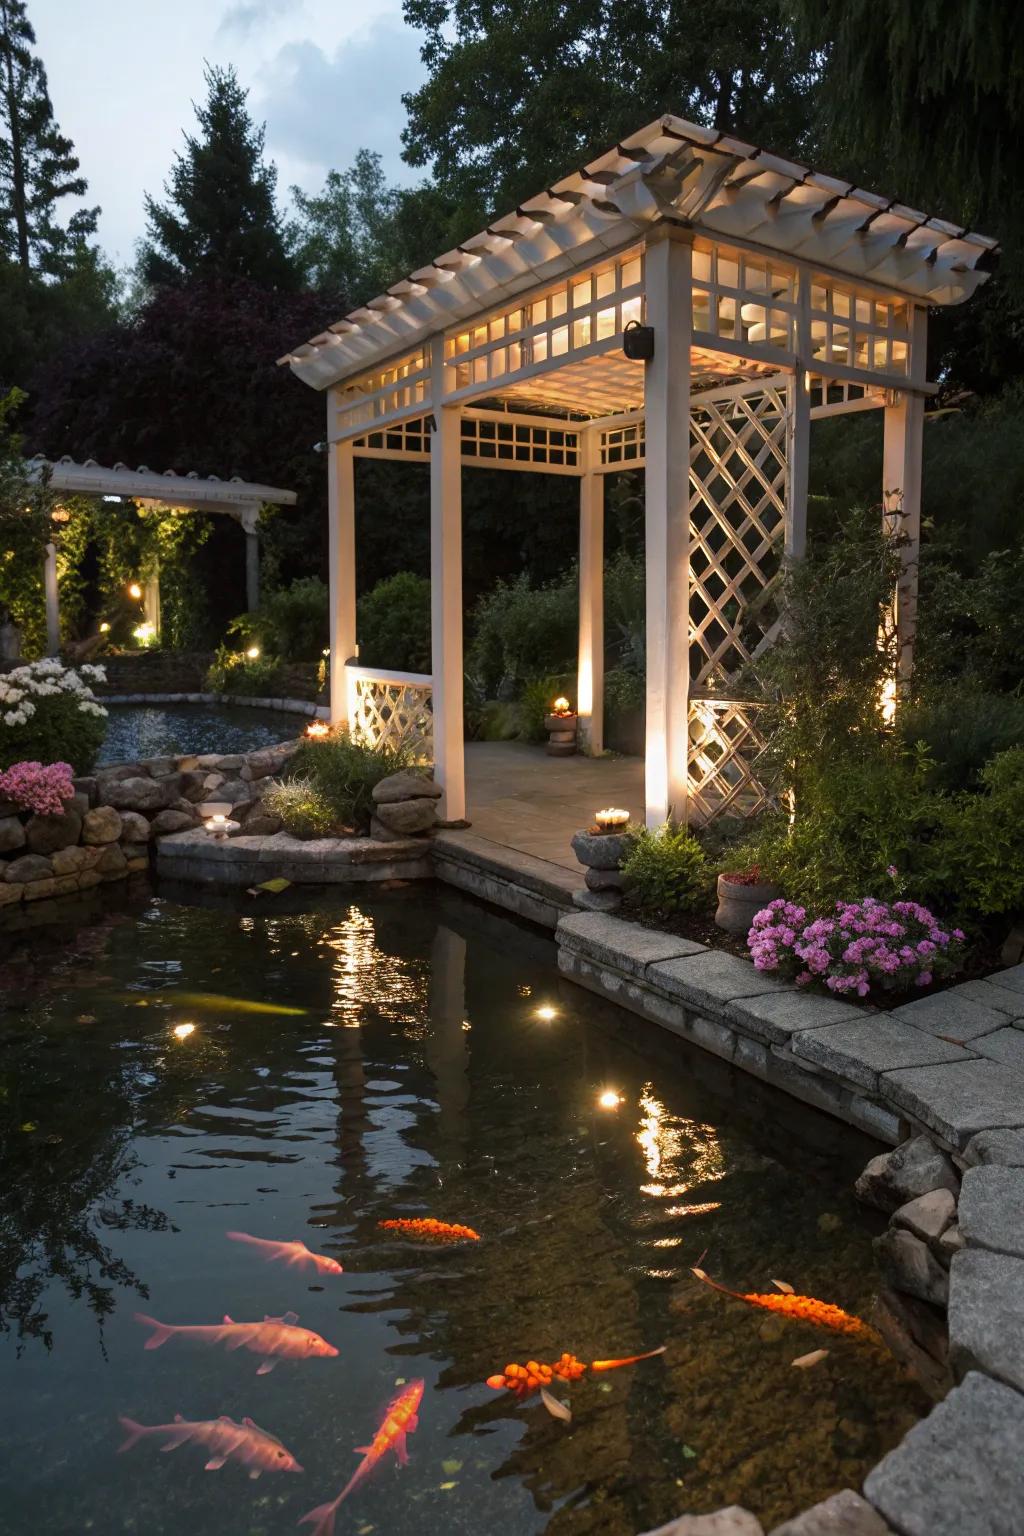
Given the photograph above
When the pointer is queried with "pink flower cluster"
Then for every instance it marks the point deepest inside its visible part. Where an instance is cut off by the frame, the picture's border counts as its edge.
(895, 945)
(34, 787)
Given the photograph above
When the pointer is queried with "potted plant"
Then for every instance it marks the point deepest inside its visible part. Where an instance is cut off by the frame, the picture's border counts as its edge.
(742, 893)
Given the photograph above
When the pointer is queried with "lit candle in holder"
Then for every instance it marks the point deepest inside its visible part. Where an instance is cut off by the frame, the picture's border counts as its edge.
(219, 824)
(318, 729)
(561, 706)
(611, 819)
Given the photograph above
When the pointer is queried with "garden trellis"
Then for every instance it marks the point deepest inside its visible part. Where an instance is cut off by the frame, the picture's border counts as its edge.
(767, 295)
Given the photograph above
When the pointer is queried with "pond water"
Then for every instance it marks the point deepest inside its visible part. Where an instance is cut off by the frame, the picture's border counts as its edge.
(137, 731)
(407, 1054)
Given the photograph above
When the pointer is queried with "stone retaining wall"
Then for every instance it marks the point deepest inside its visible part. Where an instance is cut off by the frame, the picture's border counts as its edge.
(185, 672)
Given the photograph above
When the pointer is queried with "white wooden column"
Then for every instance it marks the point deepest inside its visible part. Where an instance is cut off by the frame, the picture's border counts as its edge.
(902, 453)
(798, 430)
(667, 275)
(341, 559)
(590, 667)
(52, 601)
(446, 593)
(151, 601)
(252, 570)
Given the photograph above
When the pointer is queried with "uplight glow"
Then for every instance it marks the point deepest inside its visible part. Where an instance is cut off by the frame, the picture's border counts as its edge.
(182, 1031)
(253, 652)
(546, 1013)
(609, 1099)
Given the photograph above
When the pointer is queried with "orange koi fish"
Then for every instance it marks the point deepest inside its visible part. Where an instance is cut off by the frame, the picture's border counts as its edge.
(223, 1438)
(804, 1308)
(295, 1255)
(399, 1420)
(524, 1379)
(275, 1337)
(426, 1226)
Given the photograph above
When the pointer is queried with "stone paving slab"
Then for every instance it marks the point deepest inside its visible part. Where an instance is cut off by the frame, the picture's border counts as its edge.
(951, 1015)
(1012, 977)
(733, 1521)
(991, 1212)
(1005, 1045)
(844, 1514)
(547, 879)
(960, 1472)
(993, 995)
(620, 945)
(710, 980)
(1005, 1147)
(777, 1016)
(956, 1099)
(986, 1317)
(860, 1051)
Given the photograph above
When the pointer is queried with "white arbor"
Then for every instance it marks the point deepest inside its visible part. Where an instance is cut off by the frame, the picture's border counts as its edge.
(766, 295)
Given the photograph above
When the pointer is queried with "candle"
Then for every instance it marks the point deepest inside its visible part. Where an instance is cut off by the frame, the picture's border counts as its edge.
(317, 729)
(611, 818)
(561, 706)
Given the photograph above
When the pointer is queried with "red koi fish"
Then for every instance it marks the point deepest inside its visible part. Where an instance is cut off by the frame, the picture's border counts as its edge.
(295, 1255)
(399, 1420)
(276, 1337)
(427, 1226)
(524, 1379)
(806, 1309)
(225, 1440)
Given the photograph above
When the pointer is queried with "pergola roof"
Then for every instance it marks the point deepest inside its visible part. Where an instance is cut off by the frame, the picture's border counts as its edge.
(151, 488)
(671, 170)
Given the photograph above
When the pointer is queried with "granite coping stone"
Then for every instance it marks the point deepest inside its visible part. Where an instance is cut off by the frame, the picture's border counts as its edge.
(957, 1098)
(960, 1472)
(777, 1016)
(863, 1049)
(712, 978)
(844, 1514)
(620, 945)
(1012, 977)
(525, 869)
(991, 1211)
(197, 845)
(952, 1015)
(986, 1317)
(999, 1146)
(991, 994)
(1005, 1045)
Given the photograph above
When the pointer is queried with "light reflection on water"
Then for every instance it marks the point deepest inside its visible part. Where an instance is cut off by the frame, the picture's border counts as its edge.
(417, 1079)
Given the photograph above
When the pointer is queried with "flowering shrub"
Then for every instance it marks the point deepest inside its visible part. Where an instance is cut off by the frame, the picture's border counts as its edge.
(48, 713)
(33, 787)
(895, 945)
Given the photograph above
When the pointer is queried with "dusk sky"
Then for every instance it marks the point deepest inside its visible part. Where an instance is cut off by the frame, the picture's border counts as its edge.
(326, 75)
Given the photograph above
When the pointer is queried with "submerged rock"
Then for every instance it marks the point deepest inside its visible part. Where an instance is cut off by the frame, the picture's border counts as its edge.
(915, 1168)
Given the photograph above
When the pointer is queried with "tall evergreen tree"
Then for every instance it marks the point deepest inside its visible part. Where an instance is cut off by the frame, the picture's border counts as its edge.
(221, 219)
(38, 164)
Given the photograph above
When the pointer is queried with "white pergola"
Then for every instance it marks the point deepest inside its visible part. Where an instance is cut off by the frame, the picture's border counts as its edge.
(241, 499)
(773, 295)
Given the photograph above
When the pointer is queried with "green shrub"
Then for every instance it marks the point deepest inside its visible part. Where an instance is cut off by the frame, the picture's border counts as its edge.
(394, 624)
(624, 710)
(534, 705)
(989, 838)
(302, 806)
(345, 772)
(666, 872)
(48, 714)
(235, 672)
(963, 728)
(291, 622)
(523, 632)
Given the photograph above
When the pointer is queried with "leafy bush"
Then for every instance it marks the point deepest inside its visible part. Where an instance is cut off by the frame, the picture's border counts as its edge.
(524, 632)
(666, 872)
(962, 727)
(252, 676)
(292, 622)
(48, 714)
(535, 703)
(394, 624)
(624, 710)
(860, 944)
(302, 806)
(989, 839)
(344, 773)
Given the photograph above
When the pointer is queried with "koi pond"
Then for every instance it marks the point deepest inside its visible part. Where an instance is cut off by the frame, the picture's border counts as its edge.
(137, 731)
(303, 1071)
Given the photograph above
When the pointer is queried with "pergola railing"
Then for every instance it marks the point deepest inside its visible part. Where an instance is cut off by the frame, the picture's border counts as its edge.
(393, 709)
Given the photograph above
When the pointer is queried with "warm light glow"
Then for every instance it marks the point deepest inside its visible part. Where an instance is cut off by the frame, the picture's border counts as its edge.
(318, 729)
(253, 652)
(104, 628)
(545, 1013)
(182, 1031)
(134, 590)
(609, 1099)
(611, 816)
(145, 634)
(561, 706)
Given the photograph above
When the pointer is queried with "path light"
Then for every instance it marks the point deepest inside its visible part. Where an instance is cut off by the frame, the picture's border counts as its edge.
(609, 1099)
(611, 819)
(218, 823)
(104, 628)
(545, 1013)
(182, 1031)
(134, 590)
(317, 730)
(253, 652)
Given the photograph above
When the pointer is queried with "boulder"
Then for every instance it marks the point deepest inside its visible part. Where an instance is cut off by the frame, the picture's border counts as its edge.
(168, 821)
(137, 862)
(1006, 1147)
(406, 785)
(35, 890)
(88, 786)
(928, 1216)
(112, 861)
(212, 781)
(71, 861)
(193, 785)
(844, 1514)
(45, 834)
(235, 792)
(142, 794)
(134, 828)
(230, 763)
(597, 901)
(187, 808)
(379, 832)
(909, 1265)
(101, 825)
(114, 773)
(12, 834)
(269, 760)
(88, 878)
(601, 850)
(262, 825)
(31, 866)
(159, 767)
(733, 1521)
(407, 816)
(915, 1168)
(10, 892)
(604, 879)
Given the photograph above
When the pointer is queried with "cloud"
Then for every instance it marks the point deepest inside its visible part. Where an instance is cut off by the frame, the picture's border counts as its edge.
(320, 109)
(244, 17)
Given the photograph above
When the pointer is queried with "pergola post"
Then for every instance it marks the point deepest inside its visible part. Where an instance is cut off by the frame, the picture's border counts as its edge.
(446, 592)
(341, 559)
(667, 279)
(252, 570)
(590, 667)
(798, 433)
(902, 452)
(52, 601)
(151, 601)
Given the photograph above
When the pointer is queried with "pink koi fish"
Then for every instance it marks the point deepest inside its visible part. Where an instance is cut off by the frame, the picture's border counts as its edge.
(225, 1440)
(399, 1420)
(275, 1337)
(295, 1254)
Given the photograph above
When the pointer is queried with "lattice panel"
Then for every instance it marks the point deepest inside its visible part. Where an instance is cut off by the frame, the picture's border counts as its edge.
(738, 490)
(725, 743)
(503, 441)
(622, 445)
(394, 713)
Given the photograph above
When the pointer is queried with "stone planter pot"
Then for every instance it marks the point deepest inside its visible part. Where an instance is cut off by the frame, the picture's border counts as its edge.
(738, 903)
(601, 850)
(561, 731)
